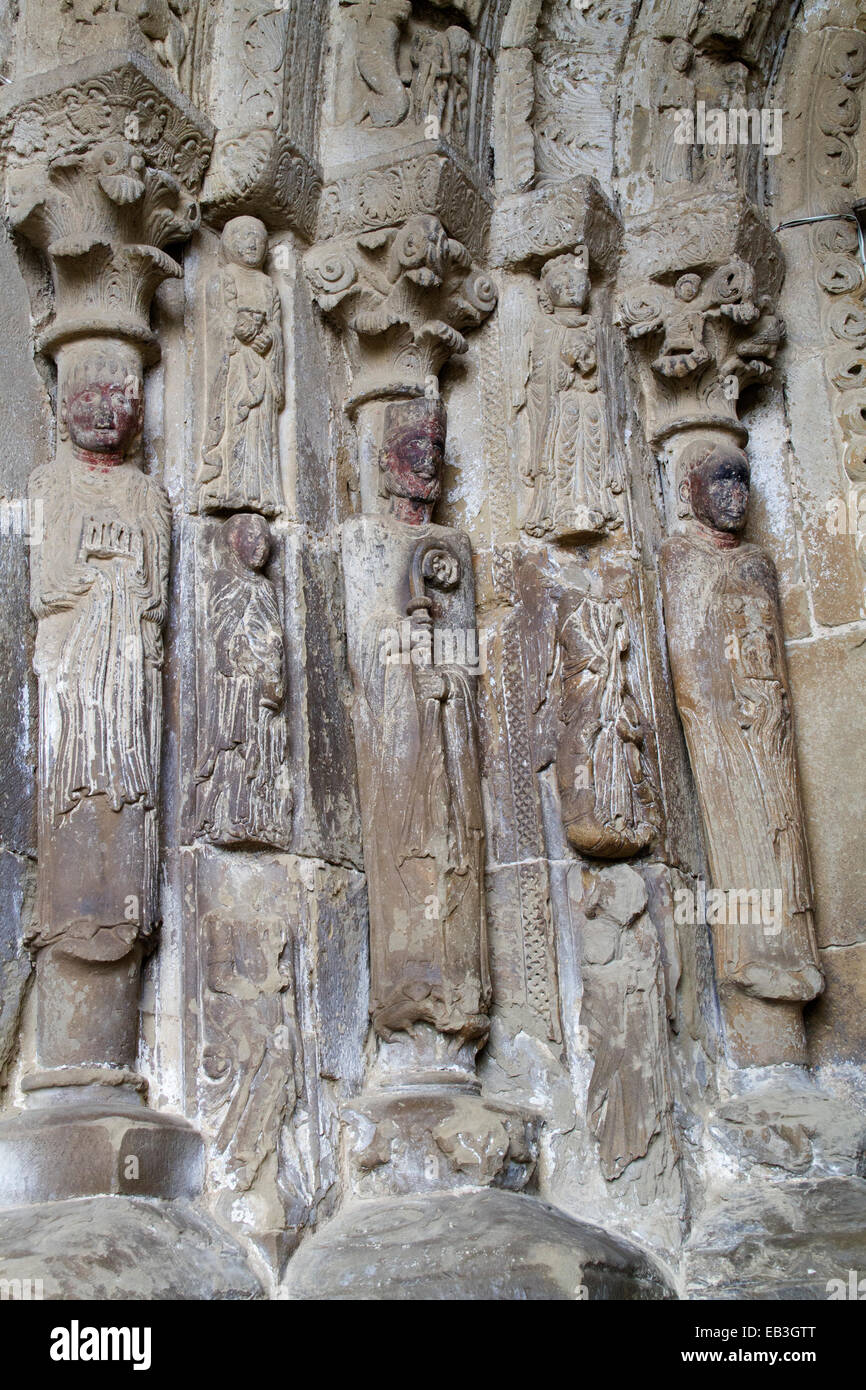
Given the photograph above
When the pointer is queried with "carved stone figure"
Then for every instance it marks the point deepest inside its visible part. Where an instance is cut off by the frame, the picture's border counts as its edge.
(99, 592)
(384, 72)
(244, 793)
(677, 158)
(590, 718)
(252, 1049)
(440, 82)
(423, 821)
(241, 453)
(416, 738)
(727, 658)
(630, 1098)
(568, 465)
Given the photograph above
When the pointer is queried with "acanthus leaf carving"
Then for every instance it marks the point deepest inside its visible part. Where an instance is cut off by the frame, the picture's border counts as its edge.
(403, 295)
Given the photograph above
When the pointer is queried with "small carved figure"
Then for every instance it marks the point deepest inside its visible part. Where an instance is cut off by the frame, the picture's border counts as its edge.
(384, 70)
(677, 156)
(241, 453)
(252, 1049)
(727, 658)
(682, 350)
(589, 718)
(440, 84)
(568, 467)
(630, 1100)
(243, 777)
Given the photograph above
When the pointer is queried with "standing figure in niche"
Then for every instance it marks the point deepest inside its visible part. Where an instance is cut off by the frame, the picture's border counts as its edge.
(727, 659)
(244, 790)
(241, 454)
(568, 468)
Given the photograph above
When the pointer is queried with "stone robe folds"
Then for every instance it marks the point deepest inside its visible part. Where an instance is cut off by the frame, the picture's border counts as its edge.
(727, 658)
(420, 790)
(98, 589)
(241, 459)
(568, 467)
(245, 792)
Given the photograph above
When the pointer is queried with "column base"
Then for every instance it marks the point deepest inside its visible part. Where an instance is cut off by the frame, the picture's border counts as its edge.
(434, 1138)
(781, 1241)
(780, 1121)
(467, 1246)
(118, 1248)
(88, 1146)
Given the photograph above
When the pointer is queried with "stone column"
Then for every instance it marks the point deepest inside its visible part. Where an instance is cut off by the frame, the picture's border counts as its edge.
(699, 284)
(104, 160)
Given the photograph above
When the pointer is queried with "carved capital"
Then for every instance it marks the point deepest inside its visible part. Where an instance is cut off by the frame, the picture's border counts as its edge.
(531, 227)
(697, 297)
(404, 297)
(104, 161)
(264, 100)
(424, 178)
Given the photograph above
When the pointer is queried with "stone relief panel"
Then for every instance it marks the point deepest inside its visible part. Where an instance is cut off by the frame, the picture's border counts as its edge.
(240, 457)
(275, 967)
(582, 636)
(243, 791)
(624, 1011)
(251, 1048)
(62, 31)
(423, 72)
(832, 163)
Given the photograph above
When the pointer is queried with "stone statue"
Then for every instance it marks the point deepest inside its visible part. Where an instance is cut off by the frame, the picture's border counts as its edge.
(417, 744)
(727, 656)
(243, 788)
(677, 158)
(568, 465)
(99, 592)
(241, 454)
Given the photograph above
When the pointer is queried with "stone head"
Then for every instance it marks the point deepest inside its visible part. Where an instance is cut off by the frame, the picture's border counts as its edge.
(564, 284)
(413, 449)
(102, 402)
(245, 242)
(249, 538)
(717, 488)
